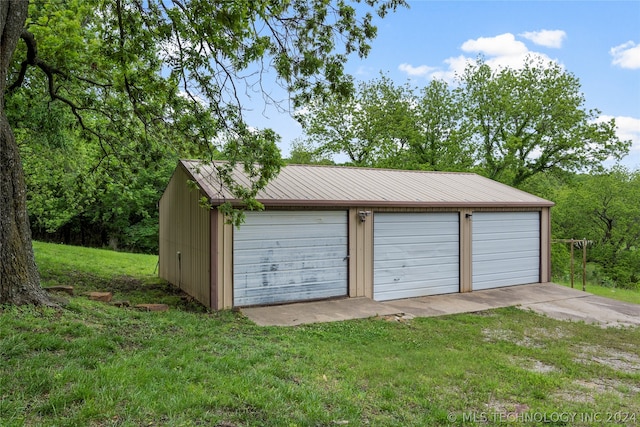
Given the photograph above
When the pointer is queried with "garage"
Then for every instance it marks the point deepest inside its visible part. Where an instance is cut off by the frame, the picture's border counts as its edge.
(346, 232)
(415, 254)
(506, 249)
(282, 256)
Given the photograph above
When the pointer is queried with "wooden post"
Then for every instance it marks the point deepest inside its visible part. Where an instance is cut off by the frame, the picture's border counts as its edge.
(571, 242)
(584, 265)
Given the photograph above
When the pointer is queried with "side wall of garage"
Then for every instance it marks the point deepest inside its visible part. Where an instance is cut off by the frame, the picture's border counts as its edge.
(184, 239)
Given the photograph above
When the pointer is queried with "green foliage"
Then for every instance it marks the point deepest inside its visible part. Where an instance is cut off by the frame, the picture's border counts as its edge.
(385, 125)
(604, 209)
(527, 121)
(560, 262)
(304, 153)
(107, 95)
(507, 124)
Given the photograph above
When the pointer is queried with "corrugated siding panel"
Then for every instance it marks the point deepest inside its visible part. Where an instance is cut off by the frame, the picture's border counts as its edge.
(283, 256)
(506, 249)
(185, 229)
(415, 254)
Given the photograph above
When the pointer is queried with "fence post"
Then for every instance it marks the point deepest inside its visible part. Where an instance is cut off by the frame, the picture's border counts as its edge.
(584, 265)
(571, 243)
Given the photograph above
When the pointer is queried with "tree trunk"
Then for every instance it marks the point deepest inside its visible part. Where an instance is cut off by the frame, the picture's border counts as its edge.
(19, 278)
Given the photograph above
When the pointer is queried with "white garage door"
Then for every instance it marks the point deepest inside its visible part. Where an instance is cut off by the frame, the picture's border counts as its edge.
(289, 256)
(506, 249)
(415, 254)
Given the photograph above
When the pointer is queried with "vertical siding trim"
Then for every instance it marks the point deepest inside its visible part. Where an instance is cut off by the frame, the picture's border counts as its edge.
(353, 252)
(227, 262)
(360, 254)
(545, 245)
(368, 257)
(213, 251)
(224, 259)
(466, 226)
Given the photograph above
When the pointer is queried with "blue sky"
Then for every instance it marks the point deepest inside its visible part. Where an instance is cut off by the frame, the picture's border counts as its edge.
(597, 41)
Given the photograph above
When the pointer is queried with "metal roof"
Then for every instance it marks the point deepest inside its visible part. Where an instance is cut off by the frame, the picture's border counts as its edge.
(328, 186)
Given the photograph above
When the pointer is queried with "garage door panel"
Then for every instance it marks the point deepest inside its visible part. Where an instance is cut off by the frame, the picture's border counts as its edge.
(284, 233)
(290, 256)
(506, 278)
(415, 254)
(270, 255)
(437, 261)
(417, 289)
(507, 257)
(303, 291)
(289, 267)
(505, 249)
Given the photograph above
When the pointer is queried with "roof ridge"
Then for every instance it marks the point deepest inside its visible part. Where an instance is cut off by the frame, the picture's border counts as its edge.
(350, 167)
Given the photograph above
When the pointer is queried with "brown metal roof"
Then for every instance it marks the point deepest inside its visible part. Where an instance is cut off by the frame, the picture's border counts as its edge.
(328, 186)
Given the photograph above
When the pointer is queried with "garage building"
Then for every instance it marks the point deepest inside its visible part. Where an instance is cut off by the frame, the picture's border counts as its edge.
(331, 232)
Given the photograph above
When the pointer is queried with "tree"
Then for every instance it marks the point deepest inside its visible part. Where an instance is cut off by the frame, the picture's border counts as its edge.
(605, 209)
(439, 142)
(523, 122)
(369, 128)
(165, 72)
(304, 153)
(386, 125)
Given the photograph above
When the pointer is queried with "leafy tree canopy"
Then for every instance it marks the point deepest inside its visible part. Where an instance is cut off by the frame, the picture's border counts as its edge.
(526, 121)
(135, 76)
(182, 72)
(506, 124)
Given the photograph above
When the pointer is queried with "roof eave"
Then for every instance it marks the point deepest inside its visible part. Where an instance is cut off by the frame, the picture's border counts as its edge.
(388, 204)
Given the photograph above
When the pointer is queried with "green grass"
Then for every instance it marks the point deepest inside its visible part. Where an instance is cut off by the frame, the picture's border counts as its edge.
(621, 294)
(93, 364)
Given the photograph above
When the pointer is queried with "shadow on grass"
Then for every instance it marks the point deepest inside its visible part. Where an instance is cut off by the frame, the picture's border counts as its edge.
(126, 288)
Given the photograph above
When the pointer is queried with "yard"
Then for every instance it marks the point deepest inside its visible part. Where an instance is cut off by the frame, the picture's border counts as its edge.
(96, 364)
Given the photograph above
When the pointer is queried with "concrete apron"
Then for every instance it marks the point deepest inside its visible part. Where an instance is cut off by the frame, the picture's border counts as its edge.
(548, 299)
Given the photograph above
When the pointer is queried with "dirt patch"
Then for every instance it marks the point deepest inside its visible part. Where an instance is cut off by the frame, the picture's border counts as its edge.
(507, 410)
(586, 391)
(533, 365)
(495, 335)
(615, 359)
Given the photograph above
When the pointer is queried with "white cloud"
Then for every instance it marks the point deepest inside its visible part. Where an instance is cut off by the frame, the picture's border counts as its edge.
(502, 45)
(546, 38)
(365, 71)
(626, 55)
(627, 128)
(501, 51)
(456, 66)
(419, 71)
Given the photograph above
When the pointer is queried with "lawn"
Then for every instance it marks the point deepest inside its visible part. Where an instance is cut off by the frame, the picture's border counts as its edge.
(94, 364)
(628, 295)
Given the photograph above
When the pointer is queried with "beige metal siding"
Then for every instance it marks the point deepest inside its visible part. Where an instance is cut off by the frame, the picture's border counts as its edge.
(545, 245)
(222, 262)
(185, 239)
(360, 253)
(465, 250)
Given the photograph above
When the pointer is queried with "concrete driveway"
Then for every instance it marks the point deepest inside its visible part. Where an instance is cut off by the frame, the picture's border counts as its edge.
(548, 299)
